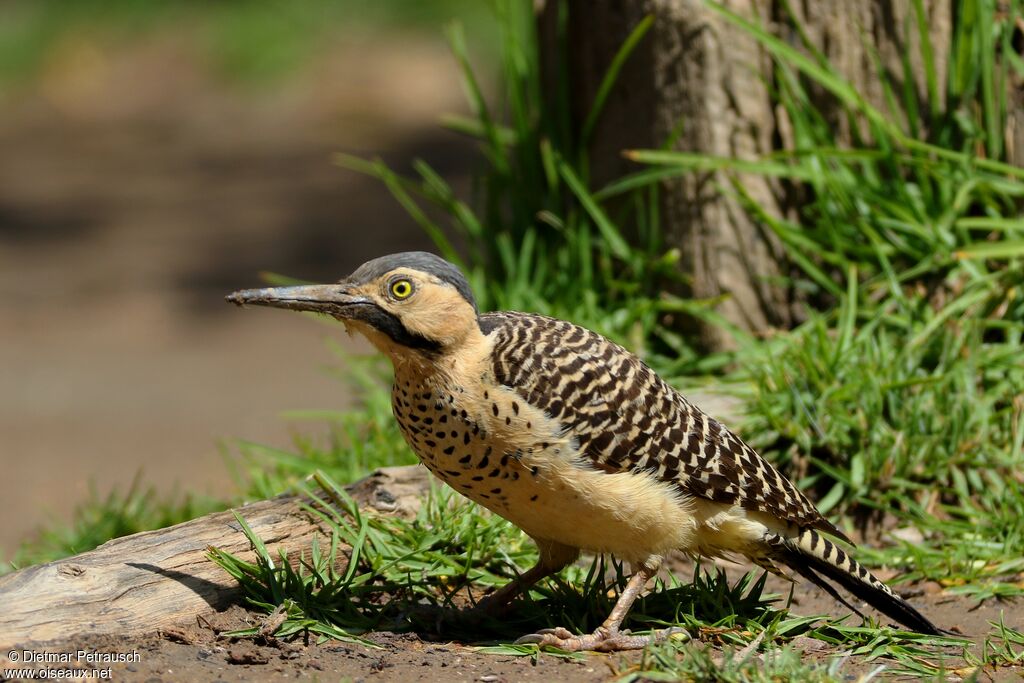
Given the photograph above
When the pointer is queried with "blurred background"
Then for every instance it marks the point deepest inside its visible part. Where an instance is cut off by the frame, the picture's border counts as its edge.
(157, 155)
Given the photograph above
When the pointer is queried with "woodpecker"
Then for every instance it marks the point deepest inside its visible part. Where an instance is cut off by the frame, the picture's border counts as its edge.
(577, 442)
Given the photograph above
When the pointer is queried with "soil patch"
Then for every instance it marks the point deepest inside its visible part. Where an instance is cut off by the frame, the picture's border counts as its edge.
(200, 651)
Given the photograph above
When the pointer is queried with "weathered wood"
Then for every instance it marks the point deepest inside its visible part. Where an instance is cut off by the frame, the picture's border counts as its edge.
(154, 579)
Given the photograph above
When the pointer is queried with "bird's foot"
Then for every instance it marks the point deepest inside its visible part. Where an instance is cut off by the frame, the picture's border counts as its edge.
(601, 640)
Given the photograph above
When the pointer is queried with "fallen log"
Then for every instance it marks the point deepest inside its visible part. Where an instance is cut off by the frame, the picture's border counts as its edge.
(156, 579)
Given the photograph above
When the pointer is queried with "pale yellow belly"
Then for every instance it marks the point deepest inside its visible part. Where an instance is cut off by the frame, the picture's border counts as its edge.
(632, 516)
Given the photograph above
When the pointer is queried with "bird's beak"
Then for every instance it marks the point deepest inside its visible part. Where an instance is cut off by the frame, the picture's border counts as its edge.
(335, 299)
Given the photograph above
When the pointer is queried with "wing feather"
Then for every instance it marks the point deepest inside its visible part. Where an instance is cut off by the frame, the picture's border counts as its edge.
(625, 417)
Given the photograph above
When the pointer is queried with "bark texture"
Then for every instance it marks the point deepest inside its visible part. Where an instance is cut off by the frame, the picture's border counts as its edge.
(698, 78)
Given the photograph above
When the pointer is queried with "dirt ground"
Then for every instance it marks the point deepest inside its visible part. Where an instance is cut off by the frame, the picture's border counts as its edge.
(196, 651)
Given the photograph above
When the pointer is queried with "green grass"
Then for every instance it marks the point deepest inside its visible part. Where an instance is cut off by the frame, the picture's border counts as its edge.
(101, 518)
(1003, 647)
(381, 572)
(537, 237)
(688, 662)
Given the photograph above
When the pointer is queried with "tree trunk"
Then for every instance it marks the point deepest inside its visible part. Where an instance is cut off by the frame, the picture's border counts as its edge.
(699, 78)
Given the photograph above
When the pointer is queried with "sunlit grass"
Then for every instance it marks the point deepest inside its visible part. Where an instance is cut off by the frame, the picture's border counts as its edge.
(381, 572)
(103, 517)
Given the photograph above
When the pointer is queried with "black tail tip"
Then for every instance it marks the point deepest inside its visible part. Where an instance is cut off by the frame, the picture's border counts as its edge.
(896, 607)
(924, 626)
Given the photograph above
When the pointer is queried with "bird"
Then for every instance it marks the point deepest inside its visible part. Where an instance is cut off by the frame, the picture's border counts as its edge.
(576, 441)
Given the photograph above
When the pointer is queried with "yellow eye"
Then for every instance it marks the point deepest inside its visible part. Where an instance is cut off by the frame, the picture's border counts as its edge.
(401, 289)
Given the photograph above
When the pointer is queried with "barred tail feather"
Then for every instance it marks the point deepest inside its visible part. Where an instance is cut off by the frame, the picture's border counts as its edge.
(814, 557)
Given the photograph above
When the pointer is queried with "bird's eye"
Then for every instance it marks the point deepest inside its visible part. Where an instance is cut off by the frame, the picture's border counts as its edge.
(401, 289)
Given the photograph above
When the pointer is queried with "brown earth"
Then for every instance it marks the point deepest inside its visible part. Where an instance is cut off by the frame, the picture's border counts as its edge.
(196, 651)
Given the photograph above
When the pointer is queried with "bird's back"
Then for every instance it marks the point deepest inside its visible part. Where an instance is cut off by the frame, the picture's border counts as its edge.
(627, 419)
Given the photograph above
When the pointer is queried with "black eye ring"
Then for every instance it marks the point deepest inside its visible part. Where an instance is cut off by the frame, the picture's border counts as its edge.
(400, 289)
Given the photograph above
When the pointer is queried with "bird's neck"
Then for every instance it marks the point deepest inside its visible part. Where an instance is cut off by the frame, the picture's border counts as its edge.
(452, 367)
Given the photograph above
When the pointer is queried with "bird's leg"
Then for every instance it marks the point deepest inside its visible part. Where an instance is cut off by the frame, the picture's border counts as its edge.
(553, 558)
(497, 602)
(492, 606)
(607, 637)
